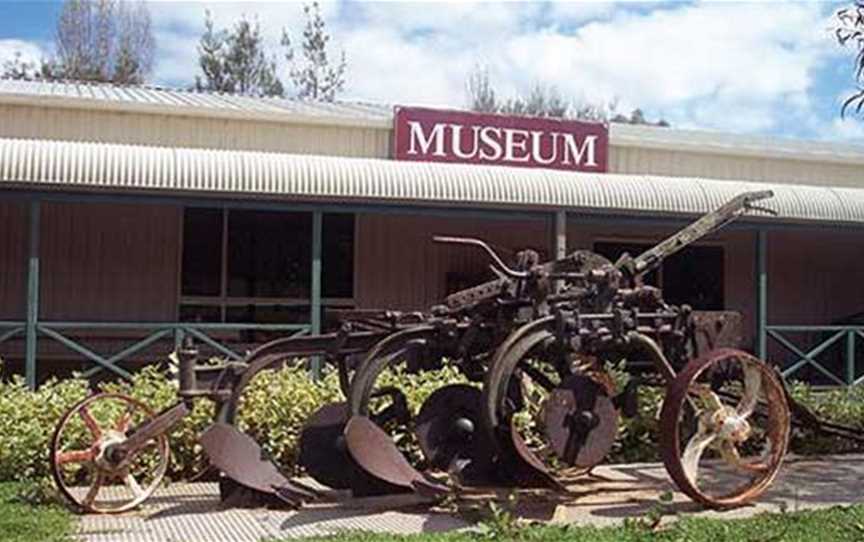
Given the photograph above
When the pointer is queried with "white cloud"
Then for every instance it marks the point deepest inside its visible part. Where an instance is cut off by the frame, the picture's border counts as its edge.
(31, 52)
(731, 66)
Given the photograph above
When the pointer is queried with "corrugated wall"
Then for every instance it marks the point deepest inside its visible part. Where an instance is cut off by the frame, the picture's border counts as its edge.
(814, 277)
(13, 260)
(114, 262)
(197, 132)
(398, 266)
(727, 166)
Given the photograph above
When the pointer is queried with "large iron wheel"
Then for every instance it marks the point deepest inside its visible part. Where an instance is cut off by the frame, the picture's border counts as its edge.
(733, 452)
(86, 472)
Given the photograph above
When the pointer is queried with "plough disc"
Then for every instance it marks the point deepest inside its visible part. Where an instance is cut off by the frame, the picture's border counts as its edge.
(448, 432)
(580, 421)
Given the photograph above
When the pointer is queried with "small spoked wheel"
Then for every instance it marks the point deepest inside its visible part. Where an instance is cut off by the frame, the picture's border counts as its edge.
(724, 428)
(89, 463)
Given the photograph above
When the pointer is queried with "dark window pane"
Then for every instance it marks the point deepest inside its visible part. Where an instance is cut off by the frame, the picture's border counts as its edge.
(200, 313)
(337, 256)
(269, 254)
(268, 314)
(694, 277)
(202, 251)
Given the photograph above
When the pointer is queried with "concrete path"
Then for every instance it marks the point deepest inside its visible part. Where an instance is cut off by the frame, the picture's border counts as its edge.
(192, 512)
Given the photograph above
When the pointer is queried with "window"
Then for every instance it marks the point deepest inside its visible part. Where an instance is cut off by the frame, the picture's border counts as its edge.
(255, 266)
(694, 276)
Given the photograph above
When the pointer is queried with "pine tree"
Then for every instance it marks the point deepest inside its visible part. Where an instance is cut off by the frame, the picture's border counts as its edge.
(235, 61)
(313, 76)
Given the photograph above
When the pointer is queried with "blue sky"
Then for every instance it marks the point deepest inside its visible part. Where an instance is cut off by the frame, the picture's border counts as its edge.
(748, 67)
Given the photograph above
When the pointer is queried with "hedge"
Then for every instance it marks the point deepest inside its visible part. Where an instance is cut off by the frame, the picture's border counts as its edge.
(277, 403)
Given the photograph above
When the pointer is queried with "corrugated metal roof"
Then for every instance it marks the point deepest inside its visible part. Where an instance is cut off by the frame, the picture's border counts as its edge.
(108, 167)
(182, 102)
(185, 102)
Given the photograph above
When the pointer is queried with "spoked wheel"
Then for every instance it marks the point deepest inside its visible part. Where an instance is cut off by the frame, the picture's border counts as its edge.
(85, 464)
(548, 410)
(735, 449)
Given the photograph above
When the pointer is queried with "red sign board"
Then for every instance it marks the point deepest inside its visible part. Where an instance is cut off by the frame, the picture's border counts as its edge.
(433, 135)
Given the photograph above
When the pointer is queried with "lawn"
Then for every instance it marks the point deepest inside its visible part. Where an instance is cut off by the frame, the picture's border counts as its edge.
(20, 522)
(834, 524)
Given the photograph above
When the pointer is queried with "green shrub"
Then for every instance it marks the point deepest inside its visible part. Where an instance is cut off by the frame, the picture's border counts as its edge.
(277, 403)
(273, 409)
(27, 420)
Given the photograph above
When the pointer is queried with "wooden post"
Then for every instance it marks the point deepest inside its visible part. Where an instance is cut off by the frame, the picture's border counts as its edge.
(32, 295)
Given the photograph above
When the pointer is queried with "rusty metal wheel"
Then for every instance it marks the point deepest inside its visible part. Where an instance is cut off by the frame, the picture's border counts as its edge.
(733, 452)
(86, 471)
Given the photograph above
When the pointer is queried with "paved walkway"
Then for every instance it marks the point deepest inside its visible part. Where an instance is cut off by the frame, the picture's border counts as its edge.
(192, 512)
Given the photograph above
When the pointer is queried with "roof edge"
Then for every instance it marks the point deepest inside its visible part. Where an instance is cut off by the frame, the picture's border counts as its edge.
(92, 104)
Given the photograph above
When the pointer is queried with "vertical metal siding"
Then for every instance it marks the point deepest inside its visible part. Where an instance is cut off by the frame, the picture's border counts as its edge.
(178, 131)
(13, 260)
(624, 159)
(399, 266)
(106, 262)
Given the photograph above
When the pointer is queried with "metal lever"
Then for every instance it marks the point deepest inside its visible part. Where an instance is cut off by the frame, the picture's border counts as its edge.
(496, 260)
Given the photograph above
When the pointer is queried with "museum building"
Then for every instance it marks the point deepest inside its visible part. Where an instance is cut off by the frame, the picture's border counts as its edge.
(133, 217)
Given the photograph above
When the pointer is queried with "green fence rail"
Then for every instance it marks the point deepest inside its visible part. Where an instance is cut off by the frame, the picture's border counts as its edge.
(829, 340)
(155, 332)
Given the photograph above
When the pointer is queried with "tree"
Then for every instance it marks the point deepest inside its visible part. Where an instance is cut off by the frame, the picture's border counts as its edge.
(480, 91)
(103, 40)
(849, 31)
(95, 40)
(18, 68)
(543, 101)
(235, 61)
(313, 76)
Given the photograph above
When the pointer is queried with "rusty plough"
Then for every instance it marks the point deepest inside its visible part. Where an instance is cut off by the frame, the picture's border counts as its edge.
(537, 402)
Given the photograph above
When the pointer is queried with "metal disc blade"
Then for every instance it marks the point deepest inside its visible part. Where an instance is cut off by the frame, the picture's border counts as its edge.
(580, 421)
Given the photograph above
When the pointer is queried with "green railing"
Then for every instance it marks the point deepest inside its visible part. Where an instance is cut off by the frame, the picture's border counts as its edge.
(155, 332)
(836, 342)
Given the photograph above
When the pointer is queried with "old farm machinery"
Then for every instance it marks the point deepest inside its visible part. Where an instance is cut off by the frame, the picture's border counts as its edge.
(537, 403)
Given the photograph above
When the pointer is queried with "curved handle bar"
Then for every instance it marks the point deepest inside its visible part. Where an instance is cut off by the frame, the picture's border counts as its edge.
(496, 260)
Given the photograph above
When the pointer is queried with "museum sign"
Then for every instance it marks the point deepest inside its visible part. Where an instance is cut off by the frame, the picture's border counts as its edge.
(432, 135)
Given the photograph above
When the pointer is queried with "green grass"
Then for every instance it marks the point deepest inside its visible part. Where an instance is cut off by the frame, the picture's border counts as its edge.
(834, 524)
(21, 522)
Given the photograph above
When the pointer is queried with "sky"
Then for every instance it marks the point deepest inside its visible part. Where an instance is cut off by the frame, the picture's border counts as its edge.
(767, 68)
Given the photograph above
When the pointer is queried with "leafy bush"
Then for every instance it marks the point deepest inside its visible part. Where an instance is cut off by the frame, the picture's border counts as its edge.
(844, 406)
(273, 409)
(277, 403)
